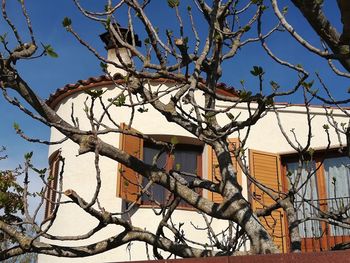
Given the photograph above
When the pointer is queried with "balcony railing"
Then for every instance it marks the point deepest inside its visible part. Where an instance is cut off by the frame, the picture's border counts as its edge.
(319, 235)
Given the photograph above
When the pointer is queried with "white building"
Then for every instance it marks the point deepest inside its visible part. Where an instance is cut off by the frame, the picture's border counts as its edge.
(268, 155)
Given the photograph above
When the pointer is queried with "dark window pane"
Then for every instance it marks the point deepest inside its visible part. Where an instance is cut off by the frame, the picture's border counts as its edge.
(183, 158)
(150, 152)
(185, 161)
(156, 192)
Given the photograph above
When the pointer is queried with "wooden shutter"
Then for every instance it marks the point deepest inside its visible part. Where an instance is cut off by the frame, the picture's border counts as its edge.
(265, 168)
(54, 162)
(214, 171)
(128, 184)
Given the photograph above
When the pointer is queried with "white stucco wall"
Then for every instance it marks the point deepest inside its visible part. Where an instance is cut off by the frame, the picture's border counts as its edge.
(80, 175)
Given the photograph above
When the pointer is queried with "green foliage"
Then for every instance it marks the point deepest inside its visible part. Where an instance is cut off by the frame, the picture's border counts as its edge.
(269, 101)
(119, 101)
(41, 172)
(326, 127)
(314, 92)
(285, 10)
(142, 109)
(3, 38)
(185, 41)
(217, 36)
(28, 156)
(257, 71)
(334, 180)
(246, 28)
(274, 85)
(263, 7)
(169, 32)
(16, 126)
(12, 210)
(108, 22)
(48, 50)
(230, 116)
(103, 66)
(244, 95)
(66, 22)
(311, 152)
(210, 114)
(177, 166)
(10, 195)
(95, 93)
(173, 3)
(174, 140)
(256, 2)
(307, 85)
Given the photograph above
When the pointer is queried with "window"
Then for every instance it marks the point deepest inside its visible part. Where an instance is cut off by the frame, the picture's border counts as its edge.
(52, 183)
(324, 186)
(185, 158)
(337, 178)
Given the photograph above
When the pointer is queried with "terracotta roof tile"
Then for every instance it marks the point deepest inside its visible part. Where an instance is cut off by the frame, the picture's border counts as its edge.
(71, 88)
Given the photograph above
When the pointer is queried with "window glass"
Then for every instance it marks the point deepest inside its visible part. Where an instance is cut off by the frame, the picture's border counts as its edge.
(186, 161)
(337, 176)
(307, 182)
(306, 202)
(156, 192)
(183, 158)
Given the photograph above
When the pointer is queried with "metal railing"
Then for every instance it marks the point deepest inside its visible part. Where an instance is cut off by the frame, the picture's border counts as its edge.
(325, 234)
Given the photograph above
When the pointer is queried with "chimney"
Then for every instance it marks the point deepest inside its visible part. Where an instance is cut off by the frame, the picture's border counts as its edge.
(111, 47)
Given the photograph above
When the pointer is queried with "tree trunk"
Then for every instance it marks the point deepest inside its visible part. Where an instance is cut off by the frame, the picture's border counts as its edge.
(239, 207)
(294, 235)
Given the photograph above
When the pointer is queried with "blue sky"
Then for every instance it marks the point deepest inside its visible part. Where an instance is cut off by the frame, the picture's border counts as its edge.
(47, 74)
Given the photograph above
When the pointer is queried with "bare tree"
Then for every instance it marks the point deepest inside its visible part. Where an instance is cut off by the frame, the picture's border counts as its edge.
(191, 60)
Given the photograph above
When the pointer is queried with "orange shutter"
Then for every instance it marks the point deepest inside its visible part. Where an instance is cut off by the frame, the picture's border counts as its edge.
(54, 162)
(265, 168)
(214, 170)
(128, 184)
